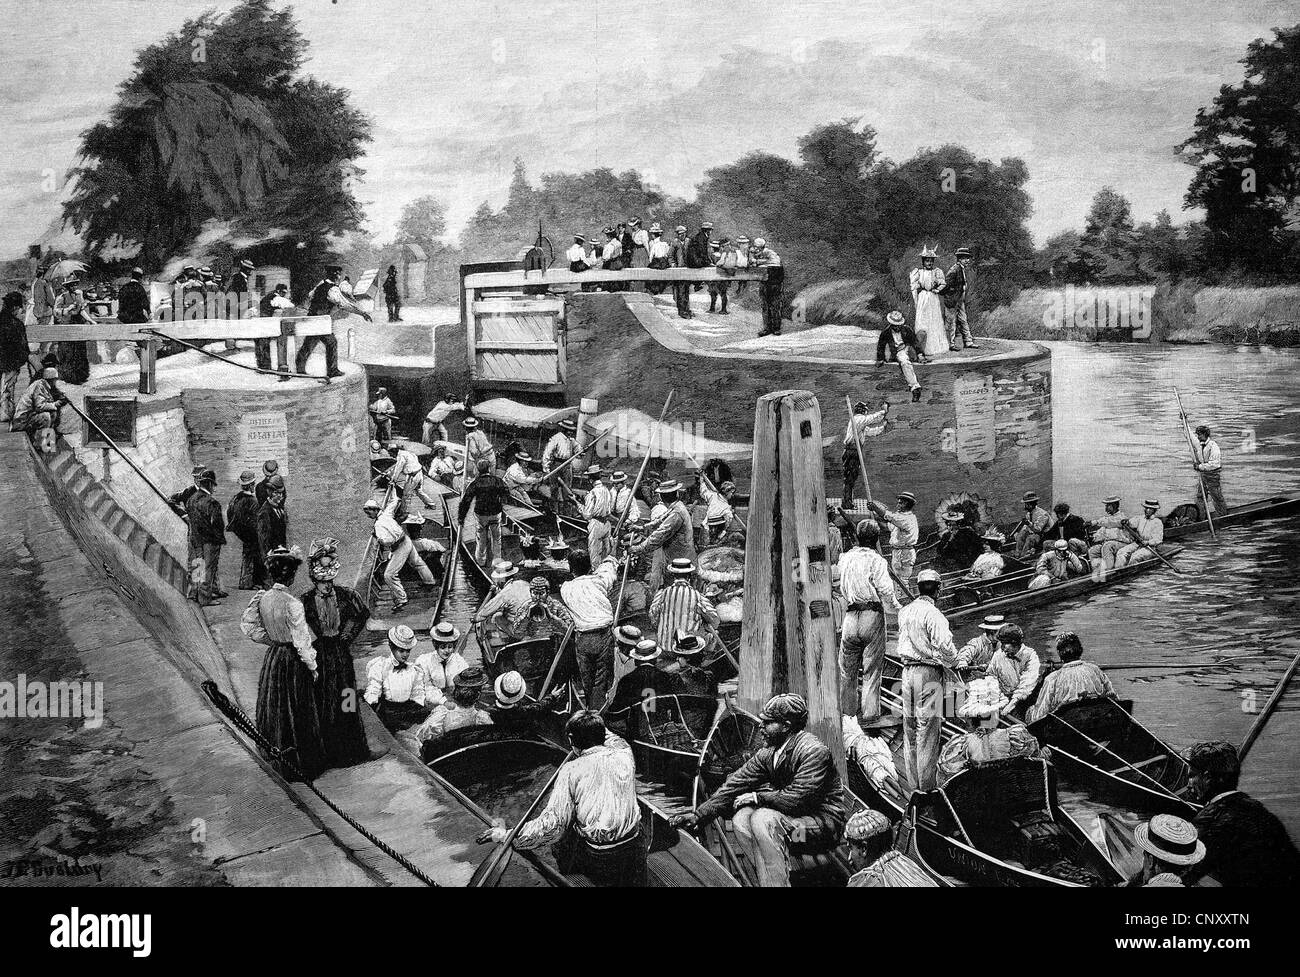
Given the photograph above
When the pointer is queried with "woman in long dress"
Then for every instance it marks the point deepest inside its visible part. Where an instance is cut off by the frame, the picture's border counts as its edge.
(927, 283)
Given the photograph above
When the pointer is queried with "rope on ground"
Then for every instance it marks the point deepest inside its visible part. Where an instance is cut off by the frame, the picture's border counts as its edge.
(282, 374)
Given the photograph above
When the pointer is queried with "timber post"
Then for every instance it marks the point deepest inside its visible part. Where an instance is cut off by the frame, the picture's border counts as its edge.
(588, 408)
(148, 353)
(788, 636)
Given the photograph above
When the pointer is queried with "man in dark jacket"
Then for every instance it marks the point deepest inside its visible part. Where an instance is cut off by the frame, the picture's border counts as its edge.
(133, 299)
(1245, 843)
(678, 258)
(787, 791)
(241, 522)
(624, 712)
(14, 355)
(898, 344)
(238, 291)
(1066, 525)
(207, 536)
(955, 291)
(272, 520)
(391, 296)
(270, 470)
(488, 495)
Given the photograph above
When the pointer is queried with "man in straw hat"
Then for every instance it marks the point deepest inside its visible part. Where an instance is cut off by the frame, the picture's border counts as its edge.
(441, 665)
(589, 599)
(1057, 564)
(984, 741)
(287, 711)
(336, 616)
(1110, 536)
(868, 592)
(1150, 529)
(979, 651)
(672, 539)
(512, 706)
(1170, 847)
(904, 533)
(519, 480)
(477, 446)
(862, 425)
(1032, 527)
(383, 413)
(681, 607)
(598, 510)
(786, 792)
(632, 707)
(622, 503)
(459, 709)
(1076, 679)
(394, 686)
(241, 522)
(592, 815)
(898, 344)
(689, 678)
(927, 651)
(660, 254)
(505, 611)
(956, 290)
(560, 448)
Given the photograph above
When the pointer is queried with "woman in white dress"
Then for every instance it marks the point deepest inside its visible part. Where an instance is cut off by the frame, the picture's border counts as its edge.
(927, 283)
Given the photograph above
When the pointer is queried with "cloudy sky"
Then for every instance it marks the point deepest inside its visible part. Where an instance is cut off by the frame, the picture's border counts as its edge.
(1087, 92)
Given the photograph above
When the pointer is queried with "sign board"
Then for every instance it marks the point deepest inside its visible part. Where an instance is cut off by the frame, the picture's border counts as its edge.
(262, 436)
(976, 421)
(115, 417)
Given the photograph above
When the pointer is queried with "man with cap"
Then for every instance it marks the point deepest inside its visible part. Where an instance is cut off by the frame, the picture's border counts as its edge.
(383, 413)
(1146, 534)
(241, 522)
(592, 815)
(328, 298)
(959, 544)
(577, 254)
(956, 289)
(588, 597)
(272, 521)
(458, 709)
(1170, 846)
(488, 496)
(598, 510)
(1017, 668)
(1246, 845)
(394, 686)
(862, 425)
(659, 253)
(672, 539)
(787, 791)
(518, 479)
(904, 534)
(990, 563)
(506, 611)
(1075, 679)
(435, 422)
(441, 665)
(512, 706)
(680, 607)
(207, 534)
(239, 293)
(1057, 564)
(631, 709)
(678, 256)
(898, 344)
(984, 740)
(927, 651)
(270, 469)
(546, 617)
(179, 501)
(1066, 525)
(1032, 528)
(38, 408)
(393, 295)
(979, 651)
(477, 446)
(43, 297)
(1110, 535)
(560, 448)
(1208, 465)
(133, 299)
(287, 712)
(770, 289)
(336, 616)
(274, 303)
(868, 592)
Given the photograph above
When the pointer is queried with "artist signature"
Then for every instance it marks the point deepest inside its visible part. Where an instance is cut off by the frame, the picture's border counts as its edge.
(48, 868)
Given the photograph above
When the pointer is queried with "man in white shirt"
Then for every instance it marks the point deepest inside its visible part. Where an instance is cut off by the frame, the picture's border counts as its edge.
(382, 412)
(1209, 467)
(1109, 535)
(435, 420)
(477, 447)
(1016, 666)
(597, 509)
(869, 593)
(592, 809)
(588, 598)
(861, 426)
(560, 448)
(623, 503)
(926, 648)
(1150, 529)
(904, 534)
(394, 686)
(517, 478)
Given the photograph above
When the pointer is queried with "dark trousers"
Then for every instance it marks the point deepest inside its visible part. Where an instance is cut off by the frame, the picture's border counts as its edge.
(252, 571)
(622, 866)
(595, 665)
(331, 353)
(262, 353)
(716, 290)
(394, 310)
(211, 554)
(771, 293)
(682, 295)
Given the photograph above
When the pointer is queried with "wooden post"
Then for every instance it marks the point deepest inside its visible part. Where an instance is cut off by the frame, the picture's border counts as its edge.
(148, 353)
(282, 348)
(788, 636)
(588, 408)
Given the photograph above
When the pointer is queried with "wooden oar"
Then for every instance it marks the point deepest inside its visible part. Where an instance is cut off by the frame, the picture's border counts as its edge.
(631, 501)
(546, 476)
(1269, 707)
(493, 867)
(555, 662)
(1187, 665)
(1196, 460)
(1154, 549)
(866, 488)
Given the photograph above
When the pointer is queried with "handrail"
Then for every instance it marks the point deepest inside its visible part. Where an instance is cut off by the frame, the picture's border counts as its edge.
(224, 359)
(122, 454)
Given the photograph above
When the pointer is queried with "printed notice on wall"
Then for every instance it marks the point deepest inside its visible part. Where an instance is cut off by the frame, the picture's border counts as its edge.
(973, 397)
(263, 436)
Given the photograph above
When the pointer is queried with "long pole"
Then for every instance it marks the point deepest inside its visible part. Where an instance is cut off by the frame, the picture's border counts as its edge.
(1267, 713)
(1196, 460)
(575, 456)
(866, 487)
(1163, 559)
(631, 501)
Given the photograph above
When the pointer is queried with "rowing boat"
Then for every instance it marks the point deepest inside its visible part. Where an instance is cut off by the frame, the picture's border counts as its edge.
(498, 774)
(1270, 508)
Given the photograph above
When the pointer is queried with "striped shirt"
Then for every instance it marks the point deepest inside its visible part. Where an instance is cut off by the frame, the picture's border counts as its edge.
(598, 503)
(680, 607)
(1071, 682)
(864, 579)
(587, 597)
(595, 792)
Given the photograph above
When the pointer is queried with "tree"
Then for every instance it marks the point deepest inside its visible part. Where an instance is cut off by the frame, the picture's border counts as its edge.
(423, 222)
(1246, 151)
(215, 125)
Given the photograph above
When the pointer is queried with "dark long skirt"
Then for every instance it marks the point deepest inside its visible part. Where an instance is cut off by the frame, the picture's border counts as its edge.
(287, 713)
(74, 364)
(339, 705)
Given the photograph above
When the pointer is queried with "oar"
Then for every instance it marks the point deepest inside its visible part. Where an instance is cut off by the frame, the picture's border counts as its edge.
(555, 662)
(1186, 665)
(1196, 460)
(866, 488)
(493, 867)
(1132, 534)
(631, 501)
(1102, 748)
(1269, 707)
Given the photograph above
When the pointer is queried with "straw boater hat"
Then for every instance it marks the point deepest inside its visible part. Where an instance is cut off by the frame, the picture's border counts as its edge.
(992, 622)
(895, 318)
(1151, 503)
(1110, 500)
(680, 228)
(688, 645)
(908, 496)
(246, 265)
(993, 536)
(984, 699)
(962, 252)
(681, 567)
(401, 636)
(617, 478)
(579, 239)
(742, 240)
(646, 650)
(707, 226)
(469, 423)
(718, 520)
(952, 515)
(627, 635)
(593, 471)
(503, 571)
(1170, 839)
(669, 485)
(929, 576)
(323, 559)
(444, 633)
(523, 456)
(1029, 497)
(634, 222)
(568, 424)
(470, 678)
(509, 689)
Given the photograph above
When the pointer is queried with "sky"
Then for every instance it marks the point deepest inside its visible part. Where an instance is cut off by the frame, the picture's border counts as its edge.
(1088, 92)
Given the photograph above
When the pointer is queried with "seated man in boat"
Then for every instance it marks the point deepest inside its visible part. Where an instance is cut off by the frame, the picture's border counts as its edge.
(984, 740)
(1109, 535)
(1015, 666)
(631, 708)
(442, 467)
(506, 608)
(1245, 843)
(1075, 679)
(394, 686)
(959, 545)
(681, 607)
(547, 616)
(1170, 846)
(441, 666)
(592, 816)
(518, 479)
(1066, 525)
(1056, 565)
(459, 710)
(1032, 528)
(513, 708)
(690, 679)
(979, 651)
(1149, 529)
(789, 791)
(989, 564)
(598, 509)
